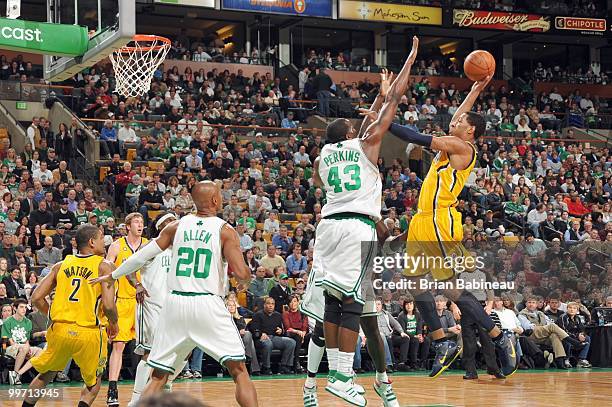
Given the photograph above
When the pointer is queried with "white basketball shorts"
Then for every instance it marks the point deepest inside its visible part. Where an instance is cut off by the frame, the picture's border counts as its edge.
(191, 320)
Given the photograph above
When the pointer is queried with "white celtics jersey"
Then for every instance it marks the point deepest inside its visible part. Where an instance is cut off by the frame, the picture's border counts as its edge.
(197, 259)
(154, 275)
(352, 182)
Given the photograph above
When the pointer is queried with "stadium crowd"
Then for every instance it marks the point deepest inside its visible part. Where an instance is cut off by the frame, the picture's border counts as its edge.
(543, 200)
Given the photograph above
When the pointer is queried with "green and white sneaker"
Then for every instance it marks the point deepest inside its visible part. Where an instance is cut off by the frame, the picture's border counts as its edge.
(342, 386)
(359, 388)
(385, 392)
(309, 395)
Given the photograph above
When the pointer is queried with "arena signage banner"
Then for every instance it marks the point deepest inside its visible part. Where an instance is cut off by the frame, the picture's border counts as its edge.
(389, 13)
(499, 20)
(43, 38)
(195, 3)
(590, 26)
(307, 8)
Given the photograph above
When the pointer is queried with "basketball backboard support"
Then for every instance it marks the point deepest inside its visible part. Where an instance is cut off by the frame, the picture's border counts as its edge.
(111, 23)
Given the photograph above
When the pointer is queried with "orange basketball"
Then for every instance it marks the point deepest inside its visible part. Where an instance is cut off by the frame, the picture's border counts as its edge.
(478, 65)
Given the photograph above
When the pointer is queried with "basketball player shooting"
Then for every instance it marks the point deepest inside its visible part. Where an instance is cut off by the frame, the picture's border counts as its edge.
(194, 311)
(436, 207)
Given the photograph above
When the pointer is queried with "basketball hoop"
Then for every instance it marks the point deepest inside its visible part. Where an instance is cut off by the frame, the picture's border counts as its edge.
(135, 63)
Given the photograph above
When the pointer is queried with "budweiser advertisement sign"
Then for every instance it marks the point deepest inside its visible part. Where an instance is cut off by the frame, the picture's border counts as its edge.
(500, 20)
(584, 25)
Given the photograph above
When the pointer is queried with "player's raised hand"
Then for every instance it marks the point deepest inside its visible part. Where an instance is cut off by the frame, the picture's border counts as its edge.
(108, 278)
(370, 114)
(480, 85)
(413, 52)
(386, 79)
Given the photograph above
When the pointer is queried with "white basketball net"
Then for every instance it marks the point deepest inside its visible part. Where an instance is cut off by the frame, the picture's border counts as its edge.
(136, 63)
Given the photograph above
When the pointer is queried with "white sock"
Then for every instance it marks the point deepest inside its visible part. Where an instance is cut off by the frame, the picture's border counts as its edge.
(345, 363)
(315, 354)
(143, 372)
(382, 377)
(332, 358)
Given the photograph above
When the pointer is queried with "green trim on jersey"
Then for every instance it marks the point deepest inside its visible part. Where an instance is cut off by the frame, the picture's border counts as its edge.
(352, 215)
(159, 366)
(189, 294)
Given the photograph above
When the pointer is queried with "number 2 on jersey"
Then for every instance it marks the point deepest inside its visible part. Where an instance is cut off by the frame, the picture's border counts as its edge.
(186, 259)
(333, 178)
(77, 283)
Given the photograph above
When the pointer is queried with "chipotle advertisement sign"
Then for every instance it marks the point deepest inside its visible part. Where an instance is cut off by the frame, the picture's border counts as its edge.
(499, 20)
(593, 26)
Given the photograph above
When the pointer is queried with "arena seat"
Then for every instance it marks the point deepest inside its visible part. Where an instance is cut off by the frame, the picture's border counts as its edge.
(511, 240)
(103, 173)
(131, 154)
(156, 165)
(153, 213)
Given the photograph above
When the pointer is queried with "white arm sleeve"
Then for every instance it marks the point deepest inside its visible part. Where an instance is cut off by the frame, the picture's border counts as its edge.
(137, 260)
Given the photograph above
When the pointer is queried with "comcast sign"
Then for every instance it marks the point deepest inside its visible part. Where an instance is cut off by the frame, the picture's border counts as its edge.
(21, 34)
(43, 38)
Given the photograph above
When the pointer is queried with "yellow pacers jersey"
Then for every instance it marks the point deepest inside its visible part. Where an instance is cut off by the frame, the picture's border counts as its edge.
(124, 288)
(443, 184)
(76, 301)
(435, 232)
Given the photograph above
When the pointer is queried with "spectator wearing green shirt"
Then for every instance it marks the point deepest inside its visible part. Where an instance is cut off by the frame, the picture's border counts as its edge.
(178, 143)
(161, 152)
(102, 212)
(18, 329)
(514, 210)
(501, 160)
(246, 220)
(81, 214)
(506, 126)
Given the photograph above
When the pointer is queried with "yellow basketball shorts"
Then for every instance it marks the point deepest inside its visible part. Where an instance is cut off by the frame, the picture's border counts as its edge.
(86, 346)
(126, 309)
(434, 244)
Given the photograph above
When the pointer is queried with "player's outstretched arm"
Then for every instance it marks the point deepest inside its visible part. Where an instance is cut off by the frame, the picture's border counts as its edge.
(470, 99)
(386, 78)
(375, 132)
(138, 259)
(44, 288)
(108, 299)
(230, 244)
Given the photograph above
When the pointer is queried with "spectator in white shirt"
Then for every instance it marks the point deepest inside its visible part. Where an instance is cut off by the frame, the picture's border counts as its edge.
(175, 98)
(193, 161)
(431, 109)
(521, 115)
(156, 102)
(186, 122)
(554, 95)
(301, 156)
(43, 174)
(126, 134)
(586, 103)
(246, 242)
(199, 55)
(411, 112)
(535, 217)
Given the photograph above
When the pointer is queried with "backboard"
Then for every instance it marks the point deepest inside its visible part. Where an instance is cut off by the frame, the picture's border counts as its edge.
(111, 25)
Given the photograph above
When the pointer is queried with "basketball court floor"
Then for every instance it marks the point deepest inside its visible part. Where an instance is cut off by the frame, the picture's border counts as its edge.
(537, 388)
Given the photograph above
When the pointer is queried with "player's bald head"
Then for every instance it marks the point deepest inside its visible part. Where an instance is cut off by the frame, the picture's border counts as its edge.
(206, 196)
